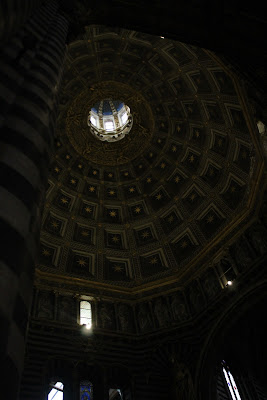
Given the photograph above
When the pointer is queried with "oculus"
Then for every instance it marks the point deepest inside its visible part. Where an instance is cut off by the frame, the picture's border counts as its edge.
(110, 120)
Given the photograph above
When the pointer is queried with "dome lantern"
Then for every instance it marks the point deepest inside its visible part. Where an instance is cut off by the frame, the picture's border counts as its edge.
(110, 120)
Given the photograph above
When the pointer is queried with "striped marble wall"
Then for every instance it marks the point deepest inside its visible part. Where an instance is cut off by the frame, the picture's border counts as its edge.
(30, 70)
(13, 14)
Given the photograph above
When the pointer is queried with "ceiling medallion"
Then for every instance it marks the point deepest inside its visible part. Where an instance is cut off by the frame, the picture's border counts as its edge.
(110, 152)
(110, 120)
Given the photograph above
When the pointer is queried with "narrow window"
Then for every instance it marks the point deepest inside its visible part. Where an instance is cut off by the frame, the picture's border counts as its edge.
(124, 117)
(56, 392)
(86, 390)
(230, 383)
(93, 120)
(86, 314)
(109, 126)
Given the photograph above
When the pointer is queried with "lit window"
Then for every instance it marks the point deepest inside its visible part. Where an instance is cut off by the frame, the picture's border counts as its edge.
(109, 126)
(124, 117)
(110, 120)
(86, 314)
(231, 383)
(93, 120)
(86, 390)
(56, 393)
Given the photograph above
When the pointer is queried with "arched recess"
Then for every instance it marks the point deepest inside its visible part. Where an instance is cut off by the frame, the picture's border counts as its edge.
(119, 376)
(56, 370)
(213, 348)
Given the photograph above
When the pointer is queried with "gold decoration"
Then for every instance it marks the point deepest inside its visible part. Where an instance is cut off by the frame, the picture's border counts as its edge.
(191, 158)
(170, 219)
(118, 268)
(64, 200)
(192, 197)
(210, 219)
(46, 253)
(115, 239)
(81, 262)
(145, 235)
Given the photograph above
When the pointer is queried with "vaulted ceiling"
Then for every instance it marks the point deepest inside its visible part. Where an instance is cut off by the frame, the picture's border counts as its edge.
(157, 206)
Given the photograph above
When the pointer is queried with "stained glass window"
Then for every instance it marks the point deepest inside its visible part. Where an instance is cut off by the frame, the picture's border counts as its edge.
(86, 390)
(56, 392)
(230, 382)
(86, 314)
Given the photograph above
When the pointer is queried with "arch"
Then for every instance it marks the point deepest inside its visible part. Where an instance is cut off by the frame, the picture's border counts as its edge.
(211, 355)
(56, 370)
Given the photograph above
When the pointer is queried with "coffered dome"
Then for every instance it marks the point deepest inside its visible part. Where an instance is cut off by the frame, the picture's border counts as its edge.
(158, 205)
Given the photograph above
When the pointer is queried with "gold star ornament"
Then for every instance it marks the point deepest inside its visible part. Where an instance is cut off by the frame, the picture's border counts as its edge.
(118, 268)
(210, 219)
(64, 200)
(55, 224)
(115, 239)
(81, 262)
(145, 235)
(191, 158)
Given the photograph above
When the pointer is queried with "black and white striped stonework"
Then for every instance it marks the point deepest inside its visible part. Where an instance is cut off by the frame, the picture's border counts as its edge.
(30, 71)
(13, 14)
